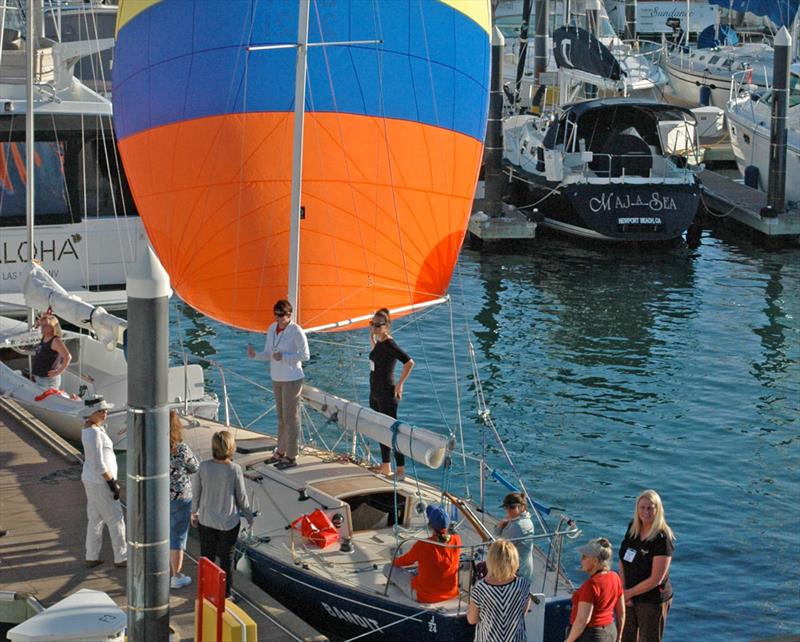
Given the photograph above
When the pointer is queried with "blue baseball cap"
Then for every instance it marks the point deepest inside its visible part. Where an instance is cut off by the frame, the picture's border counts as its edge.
(437, 517)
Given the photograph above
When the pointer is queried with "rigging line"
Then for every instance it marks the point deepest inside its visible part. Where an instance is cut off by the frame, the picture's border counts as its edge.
(117, 223)
(242, 153)
(400, 237)
(343, 146)
(84, 217)
(458, 395)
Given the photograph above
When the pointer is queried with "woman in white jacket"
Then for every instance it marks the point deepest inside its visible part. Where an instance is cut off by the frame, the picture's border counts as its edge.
(286, 348)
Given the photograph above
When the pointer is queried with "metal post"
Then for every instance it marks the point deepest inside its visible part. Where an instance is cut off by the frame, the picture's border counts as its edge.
(522, 56)
(776, 189)
(494, 132)
(297, 151)
(630, 19)
(540, 40)
(30, 57)
(148, 451)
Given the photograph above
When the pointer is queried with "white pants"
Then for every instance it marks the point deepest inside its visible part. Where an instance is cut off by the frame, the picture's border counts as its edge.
(102, 508)
(401, 578)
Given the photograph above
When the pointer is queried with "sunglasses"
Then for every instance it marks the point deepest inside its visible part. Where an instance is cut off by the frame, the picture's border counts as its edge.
(377, 325)
(281, 313)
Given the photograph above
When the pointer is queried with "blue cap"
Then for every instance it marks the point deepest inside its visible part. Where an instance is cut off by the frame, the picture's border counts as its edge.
(437, 517)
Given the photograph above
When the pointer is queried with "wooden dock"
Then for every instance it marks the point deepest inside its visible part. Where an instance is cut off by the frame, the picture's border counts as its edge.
(43, 506)
(732, 202)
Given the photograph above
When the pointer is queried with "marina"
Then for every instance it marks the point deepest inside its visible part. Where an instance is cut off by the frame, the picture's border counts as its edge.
(44, 508)
(611, 309)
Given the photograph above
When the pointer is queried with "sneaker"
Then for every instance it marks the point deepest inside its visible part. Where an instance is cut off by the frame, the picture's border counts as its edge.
(179, 581)
(92, 563)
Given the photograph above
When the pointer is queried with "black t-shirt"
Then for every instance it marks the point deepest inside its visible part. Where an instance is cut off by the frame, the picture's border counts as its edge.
(637, 556)
(382, 360)
(44, 359)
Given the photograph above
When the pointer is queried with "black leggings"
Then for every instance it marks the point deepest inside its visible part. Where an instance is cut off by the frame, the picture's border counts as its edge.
(219, 547)
(385, 402)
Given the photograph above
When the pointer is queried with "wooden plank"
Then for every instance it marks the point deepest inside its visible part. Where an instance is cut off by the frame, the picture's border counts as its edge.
(43, 506)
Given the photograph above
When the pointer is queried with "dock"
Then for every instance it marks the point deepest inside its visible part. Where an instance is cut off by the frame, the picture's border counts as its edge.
(736, 205)
(43, 507)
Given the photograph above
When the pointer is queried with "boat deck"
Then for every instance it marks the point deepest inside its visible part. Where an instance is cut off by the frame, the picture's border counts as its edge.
(43, 506)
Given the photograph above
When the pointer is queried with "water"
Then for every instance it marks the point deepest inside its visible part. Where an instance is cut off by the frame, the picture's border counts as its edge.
(608, 373)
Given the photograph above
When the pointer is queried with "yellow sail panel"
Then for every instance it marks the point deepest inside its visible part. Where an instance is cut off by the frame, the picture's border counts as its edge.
(479, 11)
(129, 9)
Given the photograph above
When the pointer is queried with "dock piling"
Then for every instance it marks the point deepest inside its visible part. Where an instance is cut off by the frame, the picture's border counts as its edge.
(148, 451)
(776, 187)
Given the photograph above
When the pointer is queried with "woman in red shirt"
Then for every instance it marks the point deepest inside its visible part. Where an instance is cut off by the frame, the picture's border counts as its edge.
(599, 598)
(436, 579)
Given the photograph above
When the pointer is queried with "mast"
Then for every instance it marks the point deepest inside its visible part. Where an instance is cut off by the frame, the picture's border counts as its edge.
(30, 54)
(523, 48)
(297, 150)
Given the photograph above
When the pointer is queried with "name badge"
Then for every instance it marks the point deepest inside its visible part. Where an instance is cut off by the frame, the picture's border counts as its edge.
(629, 555)
(371, 365)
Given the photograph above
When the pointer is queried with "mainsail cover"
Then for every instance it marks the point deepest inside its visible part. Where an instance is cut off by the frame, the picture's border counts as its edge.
(42, 291)
(781, 12)
(423, 446)
(393, 143)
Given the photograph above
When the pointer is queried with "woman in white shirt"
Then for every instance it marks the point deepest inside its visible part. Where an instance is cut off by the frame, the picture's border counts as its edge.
(99, 479)
(286, 348)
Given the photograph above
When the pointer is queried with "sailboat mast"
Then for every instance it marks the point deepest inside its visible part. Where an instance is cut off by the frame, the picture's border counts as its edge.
(297, 150)
(30, 53)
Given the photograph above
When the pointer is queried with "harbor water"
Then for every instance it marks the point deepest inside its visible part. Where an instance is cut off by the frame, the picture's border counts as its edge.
(608, 372)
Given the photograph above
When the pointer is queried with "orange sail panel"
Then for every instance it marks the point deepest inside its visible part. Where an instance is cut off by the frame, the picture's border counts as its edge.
(386, 189)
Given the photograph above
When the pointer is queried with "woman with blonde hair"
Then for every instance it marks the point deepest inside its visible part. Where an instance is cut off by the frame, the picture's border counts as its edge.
(52, 357)
(644, 560)
(182, 463)
(500, 600)
(218, 500)
(599, 599)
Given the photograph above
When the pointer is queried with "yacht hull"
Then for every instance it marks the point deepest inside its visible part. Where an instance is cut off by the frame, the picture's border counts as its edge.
(618, 212)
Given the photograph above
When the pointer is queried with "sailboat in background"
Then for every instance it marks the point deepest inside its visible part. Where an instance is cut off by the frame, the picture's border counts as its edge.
(702, 72)
(346, 180)
(87, 228)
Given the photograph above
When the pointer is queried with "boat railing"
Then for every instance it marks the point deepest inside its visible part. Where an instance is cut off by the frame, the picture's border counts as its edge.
(742, 83)
(644, 52)
(476, 552)
(623, 166)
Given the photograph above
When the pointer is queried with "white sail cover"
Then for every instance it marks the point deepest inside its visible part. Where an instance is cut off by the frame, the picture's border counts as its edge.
(42, 291)
(421, 445)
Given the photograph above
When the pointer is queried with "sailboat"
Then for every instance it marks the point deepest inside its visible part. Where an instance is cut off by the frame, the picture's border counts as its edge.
(702, 72)
(328, 150)
(749, 116)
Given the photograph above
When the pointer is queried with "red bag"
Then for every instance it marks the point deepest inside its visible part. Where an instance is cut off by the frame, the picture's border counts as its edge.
(316, 529)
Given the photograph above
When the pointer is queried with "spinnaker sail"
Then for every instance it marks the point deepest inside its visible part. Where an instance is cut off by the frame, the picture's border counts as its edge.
(396, 107)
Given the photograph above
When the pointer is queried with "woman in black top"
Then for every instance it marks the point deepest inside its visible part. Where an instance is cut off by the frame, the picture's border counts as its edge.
(46, 367)
(384, 393)
(644, 560)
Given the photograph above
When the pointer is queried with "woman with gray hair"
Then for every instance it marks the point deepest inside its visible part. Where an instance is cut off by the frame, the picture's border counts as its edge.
(599, 599)
(218, 502)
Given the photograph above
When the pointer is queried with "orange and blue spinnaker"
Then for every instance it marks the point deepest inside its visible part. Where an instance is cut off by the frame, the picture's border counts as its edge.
(395, 116)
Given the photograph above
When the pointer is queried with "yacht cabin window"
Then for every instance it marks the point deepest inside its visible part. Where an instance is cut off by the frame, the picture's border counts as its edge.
(63, 156)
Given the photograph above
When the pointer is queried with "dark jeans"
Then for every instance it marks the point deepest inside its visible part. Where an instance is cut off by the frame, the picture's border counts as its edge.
(219, 547)
(645, 622)
(385, 402)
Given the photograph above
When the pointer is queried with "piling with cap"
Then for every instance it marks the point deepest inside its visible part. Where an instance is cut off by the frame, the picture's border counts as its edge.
(148, 451)
(493, 154)
(776, 186)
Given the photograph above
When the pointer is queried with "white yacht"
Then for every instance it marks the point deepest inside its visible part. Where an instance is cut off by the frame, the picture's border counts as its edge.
(749, 112)
(87, 230)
